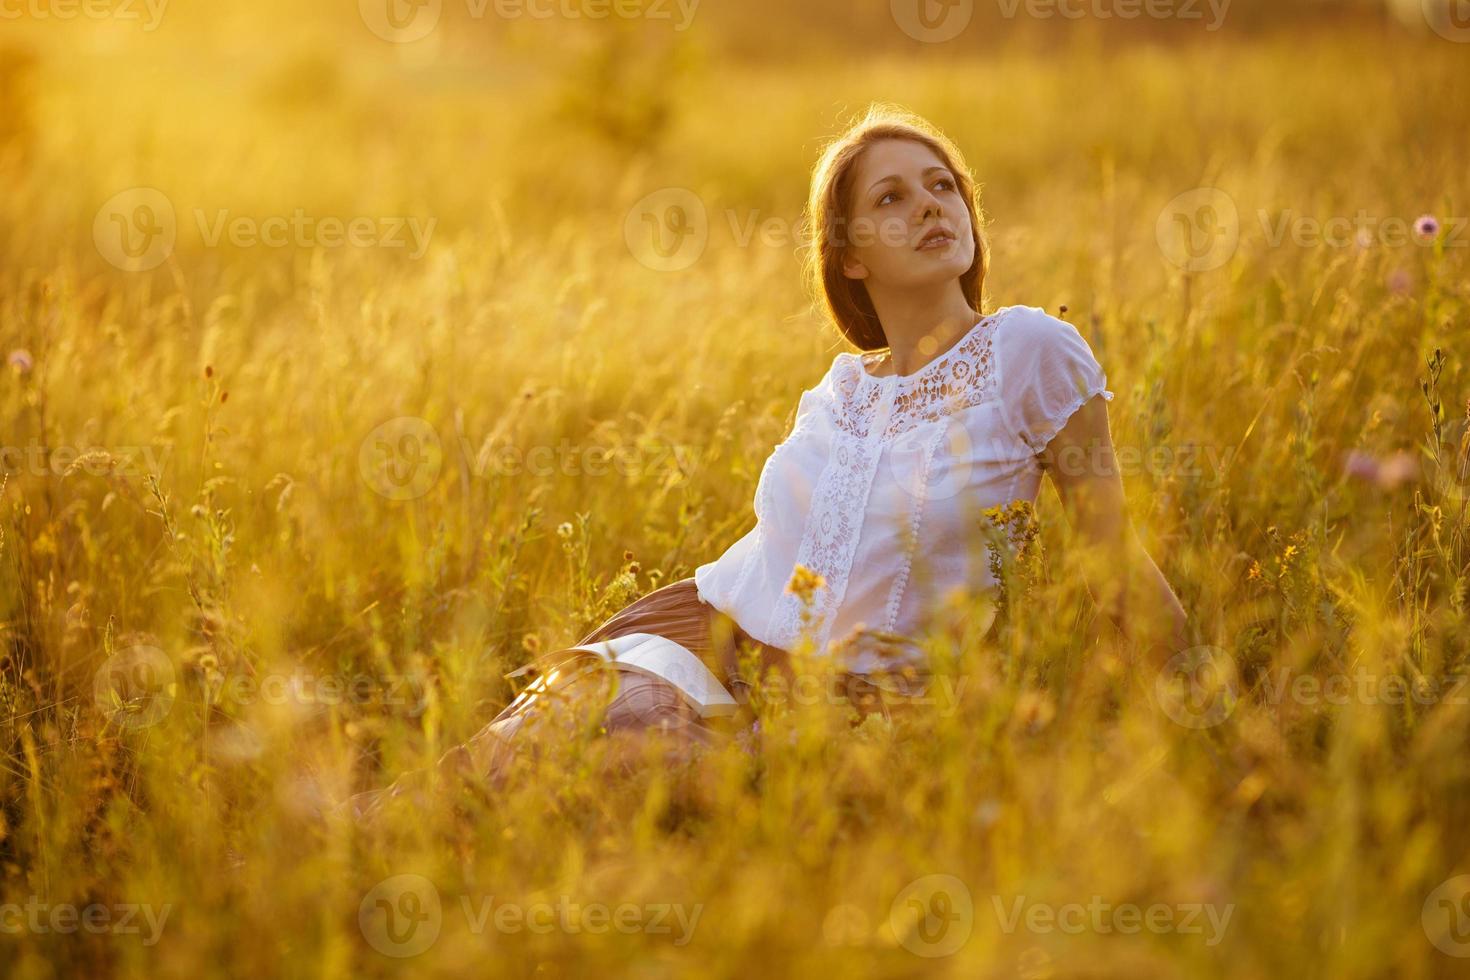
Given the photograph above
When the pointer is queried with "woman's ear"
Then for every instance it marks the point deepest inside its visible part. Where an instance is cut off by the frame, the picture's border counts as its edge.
(852, 268)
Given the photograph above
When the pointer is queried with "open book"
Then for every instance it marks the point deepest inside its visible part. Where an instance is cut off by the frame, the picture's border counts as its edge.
(648, 653)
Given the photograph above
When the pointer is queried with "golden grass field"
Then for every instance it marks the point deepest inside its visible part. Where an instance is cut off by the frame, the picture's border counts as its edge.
(226, 591)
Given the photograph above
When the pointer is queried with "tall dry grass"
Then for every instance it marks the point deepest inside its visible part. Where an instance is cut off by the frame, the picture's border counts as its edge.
(193, 473)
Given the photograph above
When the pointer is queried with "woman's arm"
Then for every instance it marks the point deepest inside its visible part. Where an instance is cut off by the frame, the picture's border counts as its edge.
(1119, 572)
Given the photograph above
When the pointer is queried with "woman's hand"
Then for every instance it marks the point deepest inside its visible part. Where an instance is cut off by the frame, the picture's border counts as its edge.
(1119, 572)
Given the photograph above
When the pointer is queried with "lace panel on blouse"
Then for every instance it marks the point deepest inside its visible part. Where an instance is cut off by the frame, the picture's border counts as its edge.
(868, 413)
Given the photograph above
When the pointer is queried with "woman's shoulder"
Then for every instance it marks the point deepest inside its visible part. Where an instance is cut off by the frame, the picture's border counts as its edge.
(818, 401)
(843, 375)
(1046, 371)
(1030, 336)
(1022, 323)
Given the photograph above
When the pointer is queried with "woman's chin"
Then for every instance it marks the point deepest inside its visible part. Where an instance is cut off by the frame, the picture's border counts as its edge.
(937, 270)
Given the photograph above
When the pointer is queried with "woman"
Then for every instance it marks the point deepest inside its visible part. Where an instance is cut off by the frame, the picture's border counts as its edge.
(892, 457)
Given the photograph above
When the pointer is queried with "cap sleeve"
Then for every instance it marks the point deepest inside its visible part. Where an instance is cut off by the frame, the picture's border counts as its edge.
(808, 406)
(818, 403)
(1046, 372)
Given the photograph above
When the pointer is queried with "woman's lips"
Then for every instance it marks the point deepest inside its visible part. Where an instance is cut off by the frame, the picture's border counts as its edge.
(934, 240)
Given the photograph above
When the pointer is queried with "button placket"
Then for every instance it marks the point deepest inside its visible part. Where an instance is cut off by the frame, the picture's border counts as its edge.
(872, 452)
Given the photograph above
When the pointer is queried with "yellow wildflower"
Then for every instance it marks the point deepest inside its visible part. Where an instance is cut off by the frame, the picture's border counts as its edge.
(804, 583)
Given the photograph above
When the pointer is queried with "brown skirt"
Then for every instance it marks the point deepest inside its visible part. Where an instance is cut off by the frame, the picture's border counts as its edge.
(675, 612)
(574, 689)
(571, 686)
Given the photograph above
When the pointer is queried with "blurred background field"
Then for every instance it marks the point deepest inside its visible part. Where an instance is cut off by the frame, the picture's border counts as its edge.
(197, 501)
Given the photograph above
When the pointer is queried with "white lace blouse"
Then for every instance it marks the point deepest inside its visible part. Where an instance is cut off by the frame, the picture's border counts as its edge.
(880, 485)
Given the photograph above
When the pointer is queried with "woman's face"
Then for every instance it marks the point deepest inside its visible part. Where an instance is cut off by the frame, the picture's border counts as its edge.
(909, 226)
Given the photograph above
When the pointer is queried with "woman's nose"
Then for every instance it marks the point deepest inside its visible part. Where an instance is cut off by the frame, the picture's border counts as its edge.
(930, 205)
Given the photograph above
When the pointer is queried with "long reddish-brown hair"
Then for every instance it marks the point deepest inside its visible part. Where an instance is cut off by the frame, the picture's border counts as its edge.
(829, 210)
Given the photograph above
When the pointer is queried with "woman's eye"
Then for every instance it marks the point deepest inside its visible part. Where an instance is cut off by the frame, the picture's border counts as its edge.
(884, 199)
(944, 184)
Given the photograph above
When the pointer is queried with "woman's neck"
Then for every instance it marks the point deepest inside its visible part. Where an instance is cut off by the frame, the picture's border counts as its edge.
(920, 328)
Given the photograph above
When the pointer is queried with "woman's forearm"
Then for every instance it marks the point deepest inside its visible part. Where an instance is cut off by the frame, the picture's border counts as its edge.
(1145, 609)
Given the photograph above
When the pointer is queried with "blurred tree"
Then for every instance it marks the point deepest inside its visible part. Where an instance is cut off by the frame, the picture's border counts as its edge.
(623, 85)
